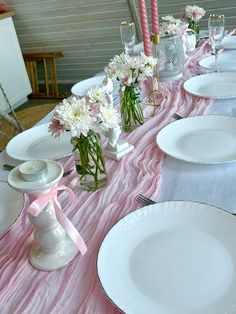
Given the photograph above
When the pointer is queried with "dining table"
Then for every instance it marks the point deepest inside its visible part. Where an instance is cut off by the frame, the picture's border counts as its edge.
(147, 170)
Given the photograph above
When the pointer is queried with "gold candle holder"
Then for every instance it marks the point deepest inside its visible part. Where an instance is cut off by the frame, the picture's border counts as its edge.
(156, 96)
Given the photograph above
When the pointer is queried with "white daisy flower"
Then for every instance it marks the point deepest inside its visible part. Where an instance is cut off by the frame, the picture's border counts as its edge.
(96, 94)
(110, 117)
(74, 115)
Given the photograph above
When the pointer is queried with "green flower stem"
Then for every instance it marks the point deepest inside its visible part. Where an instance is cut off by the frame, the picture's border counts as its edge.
(195, 27)
(131, 110)
(91, 156)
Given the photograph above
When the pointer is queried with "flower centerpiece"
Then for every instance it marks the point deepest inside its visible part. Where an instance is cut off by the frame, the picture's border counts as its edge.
(130, 71)
(171, 48)
(192, 14)
(84, 118)
(172, 26)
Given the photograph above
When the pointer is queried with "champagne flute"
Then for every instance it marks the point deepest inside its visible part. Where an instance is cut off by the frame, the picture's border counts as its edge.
(127, 33)
(216, 27)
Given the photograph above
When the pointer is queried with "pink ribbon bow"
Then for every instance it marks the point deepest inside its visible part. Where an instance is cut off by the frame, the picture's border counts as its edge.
(39, 203)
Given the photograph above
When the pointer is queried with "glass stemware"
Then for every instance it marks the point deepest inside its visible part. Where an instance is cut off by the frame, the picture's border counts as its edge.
(127, 33)
(216, 27)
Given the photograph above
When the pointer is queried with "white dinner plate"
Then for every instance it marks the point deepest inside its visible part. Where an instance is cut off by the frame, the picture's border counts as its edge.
(226, 62)
(38, 143)
(81, 88)
(229, 42)
(11, 206)
(208, 139)
(171, 258)
(213, 85)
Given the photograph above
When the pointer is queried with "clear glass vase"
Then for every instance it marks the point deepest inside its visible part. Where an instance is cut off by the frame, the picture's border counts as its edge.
(90, 165)
(171, 57)
(131, 111)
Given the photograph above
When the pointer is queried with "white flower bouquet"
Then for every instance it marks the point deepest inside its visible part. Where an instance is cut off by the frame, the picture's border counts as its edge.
(86, 114)
(84, 118)
(130, 71)
(192, 14)
(173, 26)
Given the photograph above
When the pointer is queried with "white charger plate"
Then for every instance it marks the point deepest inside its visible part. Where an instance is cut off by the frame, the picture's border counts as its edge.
(213, 85)
(208, 139)
(226, 62)
(229, 42)
(38, 143)
(11, 206)
(171, 258)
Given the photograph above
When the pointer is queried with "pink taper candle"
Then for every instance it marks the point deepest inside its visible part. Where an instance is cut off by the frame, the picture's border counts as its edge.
(155, 18)
(145, 28)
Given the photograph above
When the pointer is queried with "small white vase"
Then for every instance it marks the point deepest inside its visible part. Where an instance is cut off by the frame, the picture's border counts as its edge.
(190, 41)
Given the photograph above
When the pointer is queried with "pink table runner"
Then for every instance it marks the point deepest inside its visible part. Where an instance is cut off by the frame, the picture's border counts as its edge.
(76, 288)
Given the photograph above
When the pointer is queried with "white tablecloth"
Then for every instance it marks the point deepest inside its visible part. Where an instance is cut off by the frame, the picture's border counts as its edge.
(211, 184)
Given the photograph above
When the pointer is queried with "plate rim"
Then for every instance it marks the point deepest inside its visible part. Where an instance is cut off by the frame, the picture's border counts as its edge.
(228, 48)
(19, 213)
(228, 52)
(73, 88)
(190, 160)
(209, 74)
(25, 158)
(220, 211)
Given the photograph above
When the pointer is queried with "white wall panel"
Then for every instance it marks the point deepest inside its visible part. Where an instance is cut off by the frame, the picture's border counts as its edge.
(87, 31)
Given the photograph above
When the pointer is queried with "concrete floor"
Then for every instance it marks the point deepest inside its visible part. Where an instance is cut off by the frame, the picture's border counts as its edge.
(64, 89)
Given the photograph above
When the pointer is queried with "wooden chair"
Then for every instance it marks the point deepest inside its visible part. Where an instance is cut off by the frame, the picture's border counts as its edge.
(47, 61)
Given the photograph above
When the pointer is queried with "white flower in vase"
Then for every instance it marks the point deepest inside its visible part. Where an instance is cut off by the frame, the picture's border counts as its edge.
(74, 115)
(177, 27)
(83, 117)
(109, 116)
(193, 12)
(147, 61)
(130, 71)
(96, 94)
(170, 19)
(173, 26)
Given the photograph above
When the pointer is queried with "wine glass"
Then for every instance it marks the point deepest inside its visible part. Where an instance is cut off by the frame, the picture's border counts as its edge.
(216, 27)
(127, 33)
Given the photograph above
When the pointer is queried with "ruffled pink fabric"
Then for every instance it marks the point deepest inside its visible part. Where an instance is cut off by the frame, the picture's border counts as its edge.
(76, 288)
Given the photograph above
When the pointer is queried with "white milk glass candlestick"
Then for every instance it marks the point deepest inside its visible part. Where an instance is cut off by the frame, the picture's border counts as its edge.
(216, 27)
(53, 247)
(127, 33)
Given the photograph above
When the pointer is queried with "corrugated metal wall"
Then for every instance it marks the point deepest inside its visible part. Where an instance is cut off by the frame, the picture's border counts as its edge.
(88, 31)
